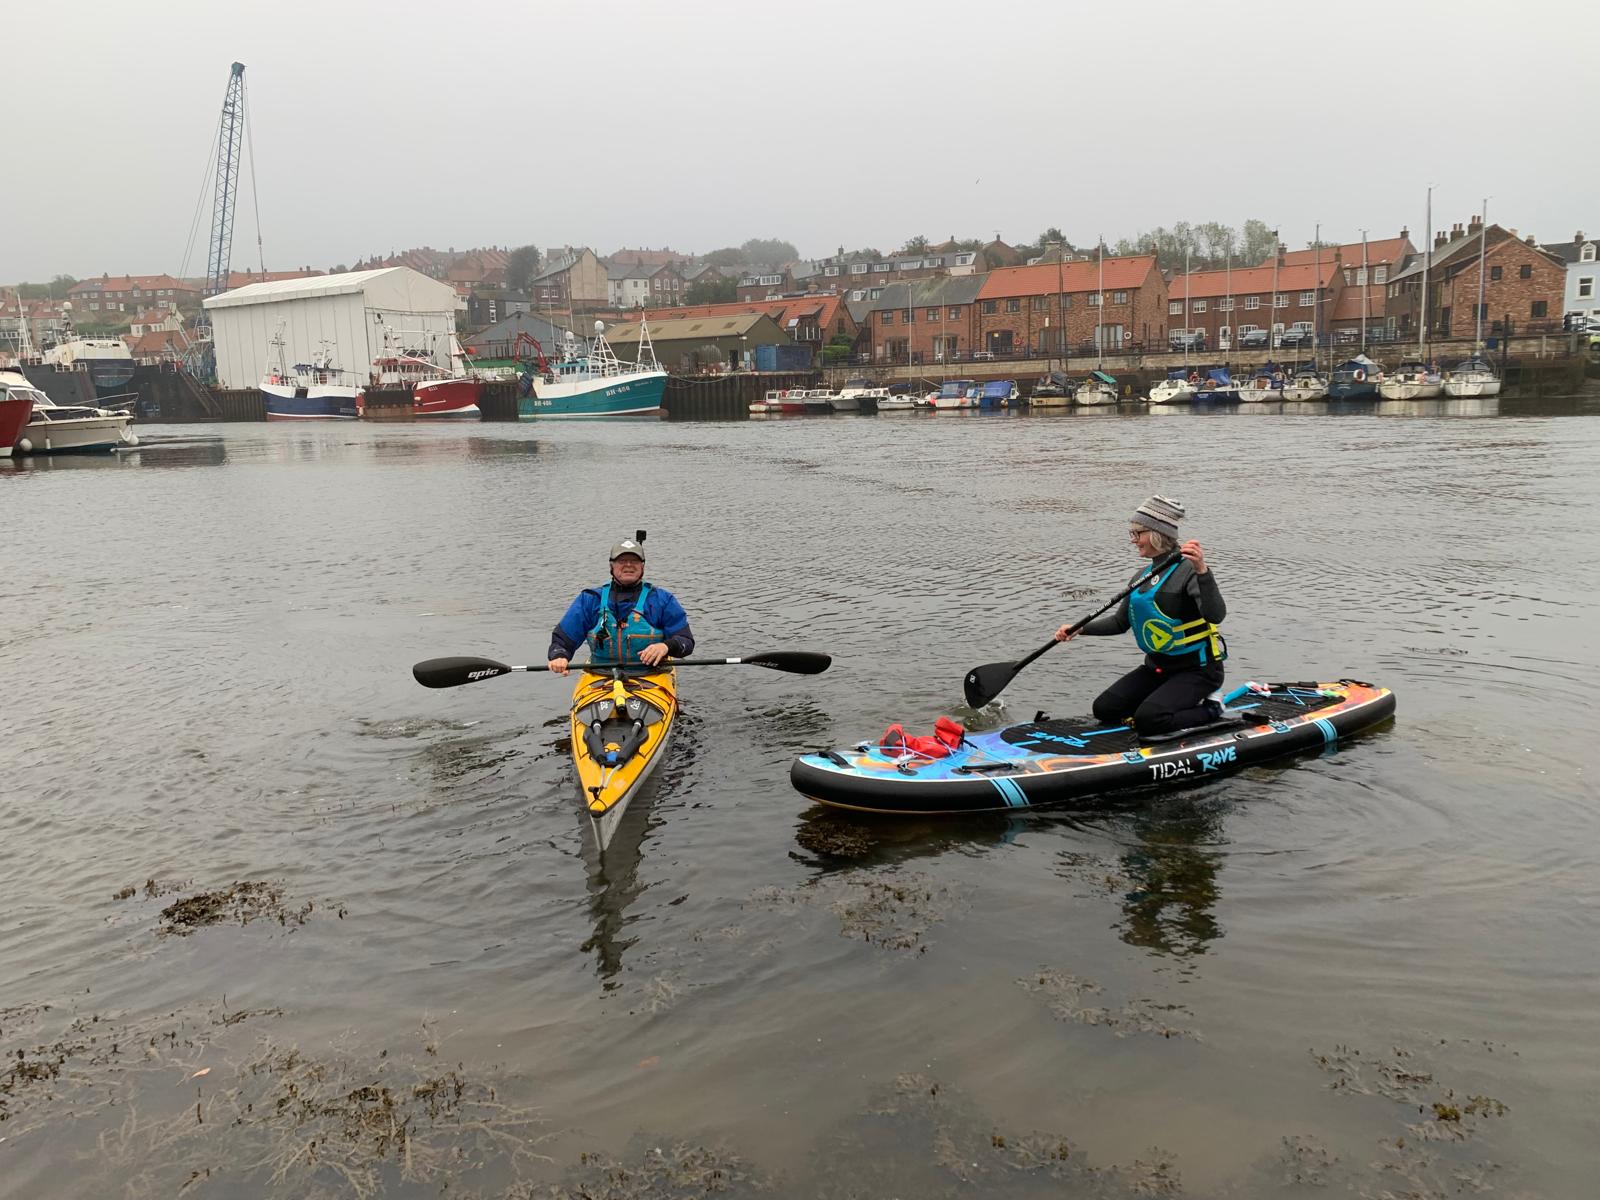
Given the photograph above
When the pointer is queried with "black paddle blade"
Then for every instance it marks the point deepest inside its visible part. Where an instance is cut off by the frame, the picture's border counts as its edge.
(453, 672)
(984, 683)
(796, 662)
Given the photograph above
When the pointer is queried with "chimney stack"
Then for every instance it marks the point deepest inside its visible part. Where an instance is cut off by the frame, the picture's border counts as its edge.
(1405, 233)
(1577, 238)
(1529, 239)
(1439, 239)
(1473, 226)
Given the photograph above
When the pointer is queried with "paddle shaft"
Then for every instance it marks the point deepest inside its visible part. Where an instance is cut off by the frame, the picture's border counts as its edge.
(453, 672)
(1159, 564)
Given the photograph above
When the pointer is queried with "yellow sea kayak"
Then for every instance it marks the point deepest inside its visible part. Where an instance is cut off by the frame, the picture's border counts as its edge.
(621, 725)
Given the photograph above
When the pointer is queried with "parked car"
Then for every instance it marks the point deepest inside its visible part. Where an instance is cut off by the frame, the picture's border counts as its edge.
(1252, 339)
(1187, 339)
(1300, 333)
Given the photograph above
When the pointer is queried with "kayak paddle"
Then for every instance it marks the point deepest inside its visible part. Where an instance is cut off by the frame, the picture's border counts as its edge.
(984, 683)
(453, 672)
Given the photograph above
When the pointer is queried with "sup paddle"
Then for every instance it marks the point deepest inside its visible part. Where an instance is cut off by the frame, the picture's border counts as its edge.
(984, 683)
(453, 672)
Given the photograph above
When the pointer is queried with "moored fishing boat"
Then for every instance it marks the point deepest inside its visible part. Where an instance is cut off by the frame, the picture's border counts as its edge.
(591, 381)
(621, 728)
(108, 360)
(790, 401)
(408, 362)
(313, 391)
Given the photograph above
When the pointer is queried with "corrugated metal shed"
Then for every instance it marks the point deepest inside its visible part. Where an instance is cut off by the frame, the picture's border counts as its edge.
(346, 311)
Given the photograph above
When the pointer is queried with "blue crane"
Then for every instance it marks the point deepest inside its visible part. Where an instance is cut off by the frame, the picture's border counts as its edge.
(229, 135)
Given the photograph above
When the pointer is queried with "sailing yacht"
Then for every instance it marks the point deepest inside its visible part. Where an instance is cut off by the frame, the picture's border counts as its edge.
(1415, 378)
(1475, 376)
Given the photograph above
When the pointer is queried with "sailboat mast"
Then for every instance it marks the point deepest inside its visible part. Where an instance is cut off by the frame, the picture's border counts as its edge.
(1186, 305)
(1364, 277)
(1316, 304)
(1483, 241)
(1427, 255)
(1100, 307)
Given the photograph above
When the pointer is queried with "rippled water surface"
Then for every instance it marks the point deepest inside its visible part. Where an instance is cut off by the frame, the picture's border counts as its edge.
(1371, 973)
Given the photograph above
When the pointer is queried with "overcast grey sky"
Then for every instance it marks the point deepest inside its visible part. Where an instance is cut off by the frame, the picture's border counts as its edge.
(700, 123)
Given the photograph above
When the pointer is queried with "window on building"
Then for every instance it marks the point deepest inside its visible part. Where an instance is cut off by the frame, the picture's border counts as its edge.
(874, 293)
(955, 311)
(1013, 305)
(1494, 274)
(1252, 302)
(1280, 301)
(1225, 304)
(1525, 271)
(1094, 299)
(1174, 307)
(1066, 303)
(910, 315)
(1540, 308)
(1585, 287)
(1199, 306)
(1381, 275)
(1119, 297)
(858, 268)
(1308, 299)
(1349, 278)
(1038, 303)
(933, 314)
(877, 267)
(888, 317)
(991, 306)
(830, 270)
(1587, 253)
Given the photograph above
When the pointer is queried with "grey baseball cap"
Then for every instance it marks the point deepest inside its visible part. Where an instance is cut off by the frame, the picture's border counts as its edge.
(627, 546)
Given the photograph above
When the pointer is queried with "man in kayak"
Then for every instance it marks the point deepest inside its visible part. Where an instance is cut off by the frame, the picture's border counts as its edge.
(625, 621)
(1174, 616)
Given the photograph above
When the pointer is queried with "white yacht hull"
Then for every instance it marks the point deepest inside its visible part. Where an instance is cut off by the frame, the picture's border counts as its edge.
(80, 435)
(1472, 385)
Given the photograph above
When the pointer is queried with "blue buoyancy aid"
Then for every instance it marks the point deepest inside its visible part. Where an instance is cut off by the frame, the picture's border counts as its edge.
(1158, 633)
(611, 644)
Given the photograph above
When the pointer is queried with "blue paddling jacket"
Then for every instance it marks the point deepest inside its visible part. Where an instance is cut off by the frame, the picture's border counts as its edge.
(605, 617)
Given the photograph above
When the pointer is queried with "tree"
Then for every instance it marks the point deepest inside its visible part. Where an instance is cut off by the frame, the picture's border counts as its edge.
(865, 252)
(521, 266)
(769, 250)
(1260, 243)
(61, 285)
(728, 256)
(916, 245)
(712, 288)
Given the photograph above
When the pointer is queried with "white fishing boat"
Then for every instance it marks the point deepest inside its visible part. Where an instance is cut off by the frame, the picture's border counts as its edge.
(63, 429)
(107, 360)
(591, 381)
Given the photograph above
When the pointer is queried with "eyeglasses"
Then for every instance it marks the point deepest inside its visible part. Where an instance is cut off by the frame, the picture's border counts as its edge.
(1136, 534)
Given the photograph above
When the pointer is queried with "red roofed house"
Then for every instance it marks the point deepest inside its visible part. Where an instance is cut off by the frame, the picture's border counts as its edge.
(1224, 305)
(124, 292)
(1365, 269)
(239, 279)
(814, 319)
(154, 318)
(1051, 307)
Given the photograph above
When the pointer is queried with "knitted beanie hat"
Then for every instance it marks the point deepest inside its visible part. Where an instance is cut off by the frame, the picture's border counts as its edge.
(1160, 514)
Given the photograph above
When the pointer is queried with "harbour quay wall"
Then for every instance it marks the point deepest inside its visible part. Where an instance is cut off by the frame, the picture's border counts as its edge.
(701, 397)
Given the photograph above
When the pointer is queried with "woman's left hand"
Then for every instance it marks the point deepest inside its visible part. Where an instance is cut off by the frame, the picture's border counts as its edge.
(1196, 556)
(652, 654)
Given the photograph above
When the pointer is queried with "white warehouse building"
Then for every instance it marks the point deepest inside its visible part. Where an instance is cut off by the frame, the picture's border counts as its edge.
(348, 312)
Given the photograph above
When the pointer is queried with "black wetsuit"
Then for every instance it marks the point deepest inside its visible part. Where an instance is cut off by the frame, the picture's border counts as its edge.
(1166, 692)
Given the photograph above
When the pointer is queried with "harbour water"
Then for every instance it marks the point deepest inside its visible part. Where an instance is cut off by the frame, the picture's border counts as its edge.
(1369, 973)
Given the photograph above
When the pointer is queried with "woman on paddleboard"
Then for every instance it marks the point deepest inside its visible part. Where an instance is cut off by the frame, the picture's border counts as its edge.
(625, 621)
(1173, 614)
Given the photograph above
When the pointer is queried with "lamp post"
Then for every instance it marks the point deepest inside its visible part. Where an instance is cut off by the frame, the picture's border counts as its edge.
(1061, 329)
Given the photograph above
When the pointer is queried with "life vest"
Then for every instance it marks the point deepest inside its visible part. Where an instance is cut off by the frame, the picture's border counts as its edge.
(1158, 633)
(947, 736)
(613, 645)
